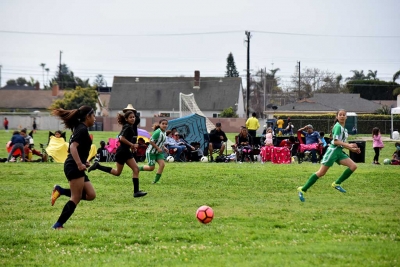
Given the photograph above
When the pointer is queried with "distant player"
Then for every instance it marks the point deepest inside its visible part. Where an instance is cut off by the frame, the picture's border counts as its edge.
(333, 154)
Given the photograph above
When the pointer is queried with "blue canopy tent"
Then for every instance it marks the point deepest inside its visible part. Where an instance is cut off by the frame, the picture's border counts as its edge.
(192, 128)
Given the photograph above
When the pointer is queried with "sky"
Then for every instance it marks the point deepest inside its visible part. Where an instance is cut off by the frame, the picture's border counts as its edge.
(176, 37)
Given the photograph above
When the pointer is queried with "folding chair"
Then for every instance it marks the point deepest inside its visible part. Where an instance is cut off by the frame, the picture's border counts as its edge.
(304, 151)
(113, 144)
(215, 150)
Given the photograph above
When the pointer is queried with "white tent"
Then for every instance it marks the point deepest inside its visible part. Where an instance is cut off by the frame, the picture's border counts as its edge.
(394, 111)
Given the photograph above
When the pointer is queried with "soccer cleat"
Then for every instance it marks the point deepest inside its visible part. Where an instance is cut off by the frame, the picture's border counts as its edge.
(301, 194)
(55, 194)
(93, 167)
(139, 194)
(338, 187)
(57, 226)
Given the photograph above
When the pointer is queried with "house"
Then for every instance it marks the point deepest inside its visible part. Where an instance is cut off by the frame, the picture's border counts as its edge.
(27, 98)
(330, 103)
(159, 96)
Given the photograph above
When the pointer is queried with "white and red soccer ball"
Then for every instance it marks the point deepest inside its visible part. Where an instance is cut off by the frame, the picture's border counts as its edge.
(204, 214)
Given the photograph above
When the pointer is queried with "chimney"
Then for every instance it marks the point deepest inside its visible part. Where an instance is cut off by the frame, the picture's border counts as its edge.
(196, 84)
(54, 90)
(37, 86)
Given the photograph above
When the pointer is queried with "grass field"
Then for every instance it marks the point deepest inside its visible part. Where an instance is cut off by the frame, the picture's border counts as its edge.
(259, 220)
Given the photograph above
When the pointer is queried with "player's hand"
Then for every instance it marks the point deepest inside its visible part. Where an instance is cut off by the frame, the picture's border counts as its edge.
(82, 167)
(87, 164)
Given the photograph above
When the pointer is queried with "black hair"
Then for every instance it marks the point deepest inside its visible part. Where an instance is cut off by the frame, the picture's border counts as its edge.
(102, 144)
(72, 118)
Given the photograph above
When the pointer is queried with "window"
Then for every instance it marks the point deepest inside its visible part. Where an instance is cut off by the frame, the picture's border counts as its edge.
(216, 115)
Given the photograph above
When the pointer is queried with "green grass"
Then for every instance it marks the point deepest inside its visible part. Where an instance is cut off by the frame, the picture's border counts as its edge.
(259, 220)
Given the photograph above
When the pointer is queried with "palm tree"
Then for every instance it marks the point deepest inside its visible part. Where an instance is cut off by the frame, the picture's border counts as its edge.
(396, 76)
(373, 75)
(357, 75)
(43, 65)
(338, 79)
(47, 70)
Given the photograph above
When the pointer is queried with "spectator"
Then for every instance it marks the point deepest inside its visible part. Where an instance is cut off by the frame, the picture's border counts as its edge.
(188, 147)
(354, 131)
(279, 125)
(102, 152)
(17, 142)
(289, 129)
(269, 137)
(244, 145)
(396, 155)
(377, 144)
(34, 125)
(288, 142)
(5, 124)
(140, 154)
(172, 143)
(29, 149)
(252, 125)
(217, 140)
(312, 137)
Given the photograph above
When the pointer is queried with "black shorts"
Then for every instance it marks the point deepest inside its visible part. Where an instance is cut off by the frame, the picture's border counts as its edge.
(72, 172)
(122, 156)
(217, 145)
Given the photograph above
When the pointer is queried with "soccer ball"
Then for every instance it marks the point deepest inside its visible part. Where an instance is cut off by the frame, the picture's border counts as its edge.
(204, 159)
(386, 161)
(204, 214)
(170, 159)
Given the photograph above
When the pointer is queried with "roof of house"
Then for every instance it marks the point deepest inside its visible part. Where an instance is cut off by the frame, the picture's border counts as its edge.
(333, 102)
(26, 99)
(162, 93)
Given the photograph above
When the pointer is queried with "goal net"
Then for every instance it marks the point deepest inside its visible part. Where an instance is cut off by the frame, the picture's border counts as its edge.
(188, 106)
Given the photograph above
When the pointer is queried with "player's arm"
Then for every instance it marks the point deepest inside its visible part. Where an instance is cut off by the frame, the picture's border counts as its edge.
(73, 148)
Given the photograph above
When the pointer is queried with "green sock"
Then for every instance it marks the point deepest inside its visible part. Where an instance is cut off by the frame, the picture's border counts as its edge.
(346, 174)
(157, 178)
(141, 168)
(313, 178)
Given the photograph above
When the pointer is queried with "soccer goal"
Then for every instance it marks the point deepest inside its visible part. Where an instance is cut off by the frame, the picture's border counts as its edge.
(188, 106)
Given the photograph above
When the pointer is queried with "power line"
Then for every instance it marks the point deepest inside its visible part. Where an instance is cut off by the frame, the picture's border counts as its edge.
(195, 33)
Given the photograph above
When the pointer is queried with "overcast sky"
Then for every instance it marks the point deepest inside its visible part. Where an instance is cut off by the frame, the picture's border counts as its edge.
(177, 37)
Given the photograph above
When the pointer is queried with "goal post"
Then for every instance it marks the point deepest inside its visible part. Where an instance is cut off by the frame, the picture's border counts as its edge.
(188, 105)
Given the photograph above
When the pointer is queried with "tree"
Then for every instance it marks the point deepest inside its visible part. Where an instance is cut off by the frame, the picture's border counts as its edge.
(396, 92)
(357, 76)
(65, 79)
(42, 65)
(77, 98)
(231, 70)
(11, 82)
(21, 81)
(372, 75)
(396, 76)
(372, 90)
(82, 83)
(385, 110)
(47, 70)
(99, 81)
(314, 80)
(228, 113)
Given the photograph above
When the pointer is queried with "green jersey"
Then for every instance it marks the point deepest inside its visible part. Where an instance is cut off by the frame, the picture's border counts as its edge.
(158, 138)
(339, 133)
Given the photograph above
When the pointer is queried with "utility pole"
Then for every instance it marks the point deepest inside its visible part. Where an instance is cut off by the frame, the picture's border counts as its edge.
(299, 78)
(59, 73)
(0, 75)
(248, 35)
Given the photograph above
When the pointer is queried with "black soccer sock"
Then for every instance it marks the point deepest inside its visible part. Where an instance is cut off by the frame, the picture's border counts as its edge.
(67, 211)
(104, 168)
(135, 182)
